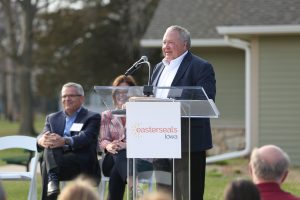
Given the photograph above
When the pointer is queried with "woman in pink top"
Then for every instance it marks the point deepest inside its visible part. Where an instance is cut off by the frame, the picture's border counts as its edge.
(113, 141)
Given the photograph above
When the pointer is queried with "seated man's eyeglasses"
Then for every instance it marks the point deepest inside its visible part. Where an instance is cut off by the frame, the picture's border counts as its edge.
(70, 96)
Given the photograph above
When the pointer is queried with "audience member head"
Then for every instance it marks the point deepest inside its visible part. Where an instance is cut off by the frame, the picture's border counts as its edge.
(241, 189)
(2, 193)
(79, 189)
(269, 163)
(72, 97)
(120, 96)
(158, 195)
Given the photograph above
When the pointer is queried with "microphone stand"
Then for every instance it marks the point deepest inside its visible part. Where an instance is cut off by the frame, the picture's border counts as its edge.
(148, 89)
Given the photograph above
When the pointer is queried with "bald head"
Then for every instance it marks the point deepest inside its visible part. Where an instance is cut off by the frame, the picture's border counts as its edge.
(269, 163)
(271, 154)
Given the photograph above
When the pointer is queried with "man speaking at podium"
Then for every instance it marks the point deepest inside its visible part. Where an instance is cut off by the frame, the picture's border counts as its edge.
(180, 67)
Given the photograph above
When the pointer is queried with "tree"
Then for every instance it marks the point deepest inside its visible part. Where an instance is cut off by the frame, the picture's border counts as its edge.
(8, 66)
(90, 45)
(19, 50)
(97, 42)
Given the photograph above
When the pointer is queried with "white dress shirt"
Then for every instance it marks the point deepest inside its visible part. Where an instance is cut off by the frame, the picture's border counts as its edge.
(167, 76)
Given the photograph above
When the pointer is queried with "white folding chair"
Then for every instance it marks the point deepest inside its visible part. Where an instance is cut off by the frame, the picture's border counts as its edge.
(102, 186)
(22, 142)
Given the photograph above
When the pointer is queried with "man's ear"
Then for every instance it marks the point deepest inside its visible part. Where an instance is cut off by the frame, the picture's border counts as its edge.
(186, 45)
(250, 170)
(82, 98)
(284, 176)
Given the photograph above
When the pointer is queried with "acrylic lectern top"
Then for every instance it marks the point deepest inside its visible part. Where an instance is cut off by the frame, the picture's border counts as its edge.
(194, 101)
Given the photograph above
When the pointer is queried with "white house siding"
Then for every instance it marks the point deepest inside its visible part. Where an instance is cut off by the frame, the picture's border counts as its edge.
(279, 93)
(229, 66)
(229, 129)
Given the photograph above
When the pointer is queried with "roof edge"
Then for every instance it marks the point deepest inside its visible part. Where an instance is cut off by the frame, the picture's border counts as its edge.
(259, 30)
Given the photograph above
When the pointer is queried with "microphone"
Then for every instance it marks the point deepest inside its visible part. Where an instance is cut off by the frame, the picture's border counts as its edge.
(136, 65)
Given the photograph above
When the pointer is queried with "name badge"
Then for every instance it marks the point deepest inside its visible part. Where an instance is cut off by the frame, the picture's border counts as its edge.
(76, 127)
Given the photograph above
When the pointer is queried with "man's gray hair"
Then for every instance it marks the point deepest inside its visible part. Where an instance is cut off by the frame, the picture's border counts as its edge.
(269, 171)
(183, 32)
(75, 85)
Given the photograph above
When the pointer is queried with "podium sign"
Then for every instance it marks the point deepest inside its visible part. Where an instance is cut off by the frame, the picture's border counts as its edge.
(158, 133)
(151, 133)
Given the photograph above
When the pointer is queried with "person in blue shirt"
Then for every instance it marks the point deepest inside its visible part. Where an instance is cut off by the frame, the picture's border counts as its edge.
(68, 142)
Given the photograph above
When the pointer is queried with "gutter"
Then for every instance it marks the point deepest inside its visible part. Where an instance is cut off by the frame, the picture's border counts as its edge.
(260, 30)
(240, 44)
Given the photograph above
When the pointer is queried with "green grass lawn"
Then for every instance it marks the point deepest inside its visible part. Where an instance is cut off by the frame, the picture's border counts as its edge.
(218, 175)
(8, 128)
(11, 128)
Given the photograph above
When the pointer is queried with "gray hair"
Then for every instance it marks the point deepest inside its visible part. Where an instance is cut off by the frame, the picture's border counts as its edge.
(75, 85)
(269, 171)
(185, 35)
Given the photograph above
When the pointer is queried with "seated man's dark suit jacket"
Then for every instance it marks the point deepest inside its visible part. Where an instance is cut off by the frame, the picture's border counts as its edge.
(85, 140)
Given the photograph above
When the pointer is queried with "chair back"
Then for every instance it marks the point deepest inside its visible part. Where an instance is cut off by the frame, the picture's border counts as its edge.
(26, 143)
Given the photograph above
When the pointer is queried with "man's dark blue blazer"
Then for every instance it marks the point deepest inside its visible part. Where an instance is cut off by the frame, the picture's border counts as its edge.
(194, 71)
(85, 141)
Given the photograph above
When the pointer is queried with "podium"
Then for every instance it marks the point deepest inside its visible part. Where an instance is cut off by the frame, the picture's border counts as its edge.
(158, 135)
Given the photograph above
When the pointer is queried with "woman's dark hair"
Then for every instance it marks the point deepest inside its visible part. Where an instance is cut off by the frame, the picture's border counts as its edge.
(124, 79)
